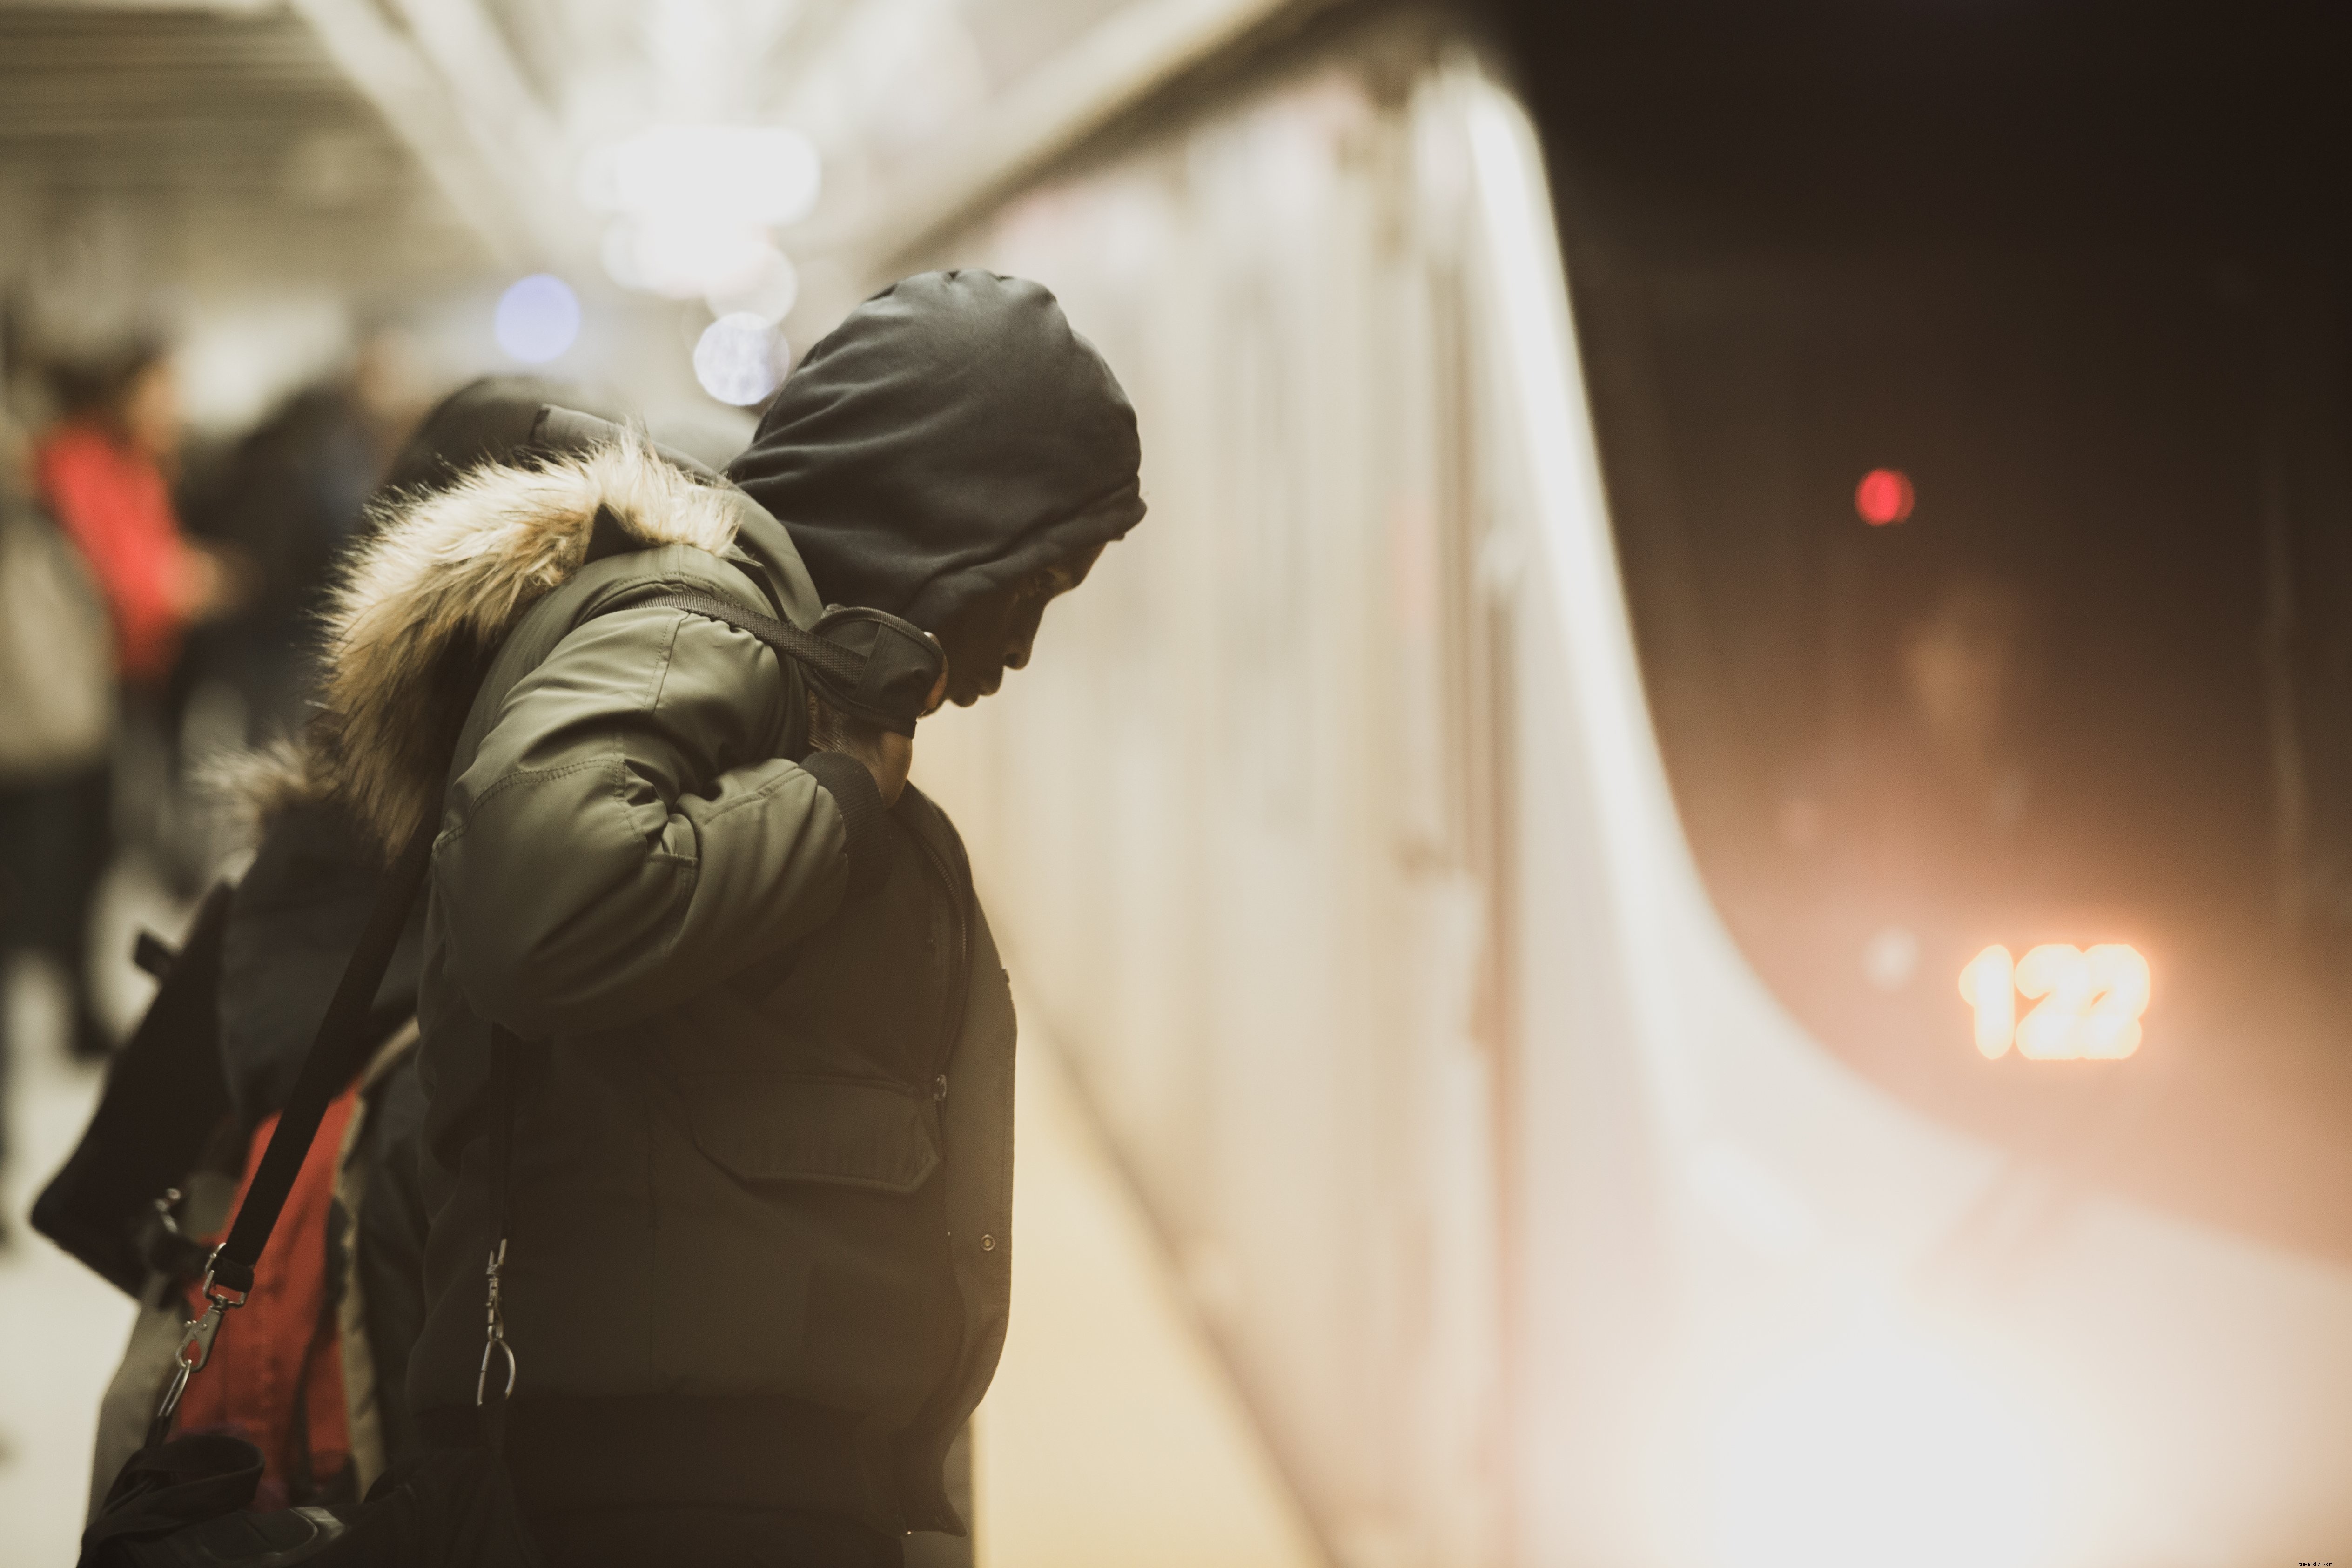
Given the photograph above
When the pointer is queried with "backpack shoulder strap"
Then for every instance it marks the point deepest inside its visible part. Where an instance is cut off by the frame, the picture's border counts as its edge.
(336, 1054)
(789, 641)
(334, 1058)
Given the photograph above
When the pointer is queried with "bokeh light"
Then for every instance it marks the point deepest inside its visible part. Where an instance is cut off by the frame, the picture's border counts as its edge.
(537, 318)
(1883, 497)
(683, 257)
(693, 206)
(1890, 957)
(746, 174)
(741, 358)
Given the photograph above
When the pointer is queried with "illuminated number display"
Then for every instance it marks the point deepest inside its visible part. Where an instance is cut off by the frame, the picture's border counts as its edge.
(2085, 1004)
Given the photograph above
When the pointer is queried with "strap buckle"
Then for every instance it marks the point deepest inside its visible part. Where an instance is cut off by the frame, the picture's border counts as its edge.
(221, 1296)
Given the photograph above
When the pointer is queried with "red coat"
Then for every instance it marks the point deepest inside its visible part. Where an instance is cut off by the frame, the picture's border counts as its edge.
(112, 499)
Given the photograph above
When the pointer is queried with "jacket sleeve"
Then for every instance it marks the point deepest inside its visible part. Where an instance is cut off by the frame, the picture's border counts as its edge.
(623, 837)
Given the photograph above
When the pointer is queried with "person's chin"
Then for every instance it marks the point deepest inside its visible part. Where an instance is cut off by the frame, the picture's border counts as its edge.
(965, 697)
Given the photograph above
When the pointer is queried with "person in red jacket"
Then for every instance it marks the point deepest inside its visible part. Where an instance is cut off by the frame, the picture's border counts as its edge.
(102, 470)
(102, 474)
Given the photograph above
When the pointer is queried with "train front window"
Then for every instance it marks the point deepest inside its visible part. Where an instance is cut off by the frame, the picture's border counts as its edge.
(1997, 620)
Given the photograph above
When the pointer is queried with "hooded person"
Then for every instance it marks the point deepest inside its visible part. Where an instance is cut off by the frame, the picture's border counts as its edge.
(717, 1052)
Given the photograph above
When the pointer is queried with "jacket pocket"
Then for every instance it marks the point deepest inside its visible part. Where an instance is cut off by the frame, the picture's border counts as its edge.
(794, 1127)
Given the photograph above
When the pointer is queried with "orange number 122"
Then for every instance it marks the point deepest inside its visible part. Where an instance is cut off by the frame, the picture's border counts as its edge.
(2089, 1002)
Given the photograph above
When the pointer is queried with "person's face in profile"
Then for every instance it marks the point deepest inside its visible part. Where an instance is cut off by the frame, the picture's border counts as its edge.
(993, 634)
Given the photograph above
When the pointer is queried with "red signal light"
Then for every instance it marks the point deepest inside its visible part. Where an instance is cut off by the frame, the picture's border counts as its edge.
(1883, 496)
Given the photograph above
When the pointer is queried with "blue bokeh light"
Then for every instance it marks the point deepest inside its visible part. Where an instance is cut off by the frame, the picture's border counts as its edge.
(741, 359)
(538, 318)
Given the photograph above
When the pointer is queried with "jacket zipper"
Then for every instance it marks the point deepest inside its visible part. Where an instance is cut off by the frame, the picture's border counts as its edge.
(962, 899)
(954, 1023)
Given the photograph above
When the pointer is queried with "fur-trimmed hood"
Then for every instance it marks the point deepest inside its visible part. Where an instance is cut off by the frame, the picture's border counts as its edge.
(427, 598)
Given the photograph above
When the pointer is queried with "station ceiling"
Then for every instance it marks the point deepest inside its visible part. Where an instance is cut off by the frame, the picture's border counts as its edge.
(489, 105)
(159, 153)
(144, 99)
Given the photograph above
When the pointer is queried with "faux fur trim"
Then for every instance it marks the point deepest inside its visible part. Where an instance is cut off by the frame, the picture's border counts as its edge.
(259, 785)
(440, 581)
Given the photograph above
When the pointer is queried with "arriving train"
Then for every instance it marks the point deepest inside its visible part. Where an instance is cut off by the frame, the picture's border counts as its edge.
(1701, 861)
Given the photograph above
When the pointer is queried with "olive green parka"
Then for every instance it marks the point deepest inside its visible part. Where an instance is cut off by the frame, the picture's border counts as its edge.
(760, 1189)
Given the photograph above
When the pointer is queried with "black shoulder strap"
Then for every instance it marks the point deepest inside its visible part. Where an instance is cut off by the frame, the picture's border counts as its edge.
(334, 1058)
(788, 640)
(337, 1053)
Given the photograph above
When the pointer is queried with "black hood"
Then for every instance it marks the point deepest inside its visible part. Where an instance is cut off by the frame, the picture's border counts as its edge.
(952, 436)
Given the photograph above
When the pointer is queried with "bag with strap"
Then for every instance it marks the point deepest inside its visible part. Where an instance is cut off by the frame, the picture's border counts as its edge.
(180, 1502)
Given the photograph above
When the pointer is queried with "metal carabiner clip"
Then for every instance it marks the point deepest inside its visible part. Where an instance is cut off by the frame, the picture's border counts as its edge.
(496, 1342)
(195, 1347)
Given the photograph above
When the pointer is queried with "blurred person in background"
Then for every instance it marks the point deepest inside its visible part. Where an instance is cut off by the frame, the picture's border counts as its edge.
(56, 720)
(105, 471)
(288, 497)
